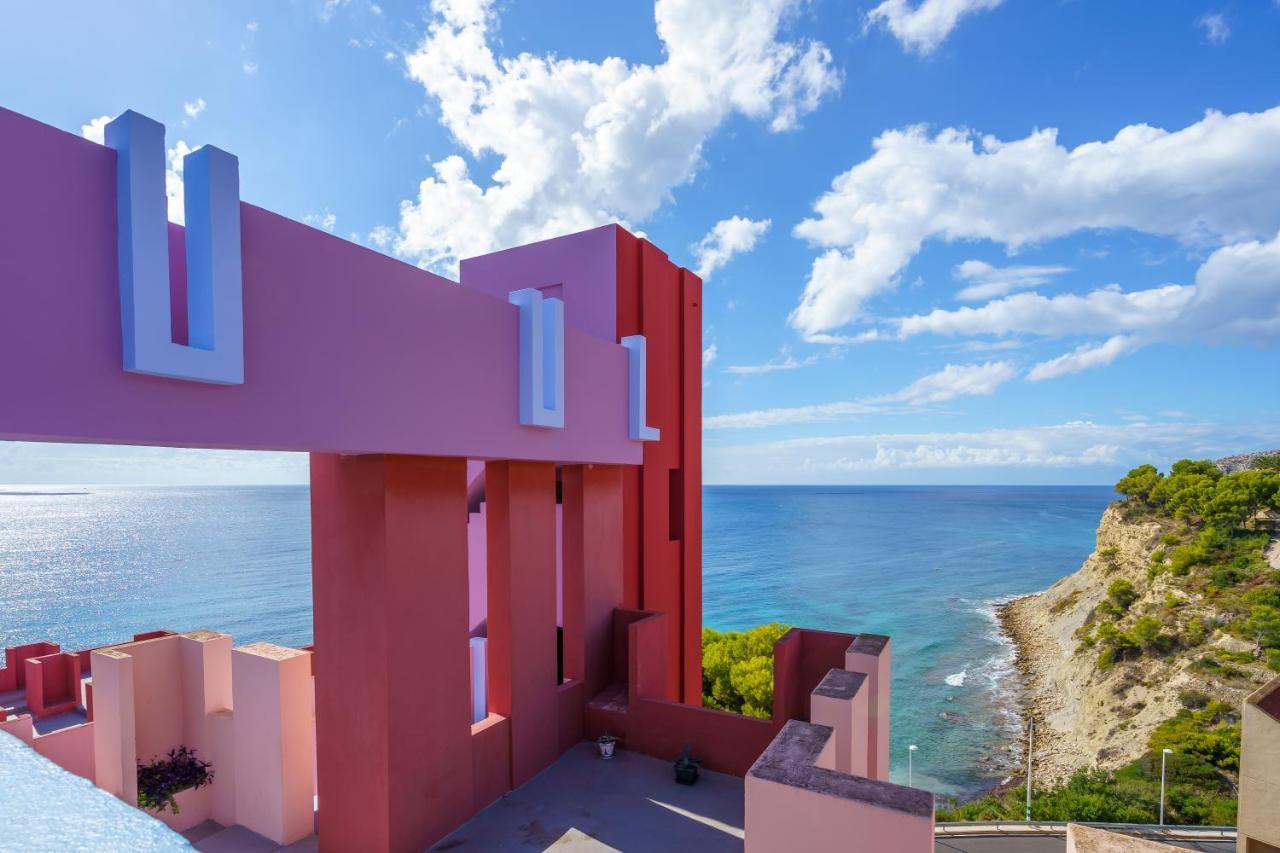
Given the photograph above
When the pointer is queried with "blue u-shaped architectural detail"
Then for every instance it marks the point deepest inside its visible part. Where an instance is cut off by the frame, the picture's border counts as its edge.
(638, 389)
(541, 358)
(215, 309)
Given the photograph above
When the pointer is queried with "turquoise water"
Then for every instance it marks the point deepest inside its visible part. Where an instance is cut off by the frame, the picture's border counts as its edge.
(84, 567)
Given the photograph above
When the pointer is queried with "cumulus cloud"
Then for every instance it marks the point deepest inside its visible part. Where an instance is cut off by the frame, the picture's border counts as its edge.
(986, 281)
(1215, 27)
(872, 456)
(580, 143)
(1210, 183)
(954, 380)
(1235, 298)
(924, 26)
(96, 129)
(325, 221)
(728, 237)
(194, 108)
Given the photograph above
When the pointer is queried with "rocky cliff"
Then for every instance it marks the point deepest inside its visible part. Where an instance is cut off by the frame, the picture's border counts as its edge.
(1088, 714)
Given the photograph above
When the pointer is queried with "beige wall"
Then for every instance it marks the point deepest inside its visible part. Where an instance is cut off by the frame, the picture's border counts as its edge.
(1259, 815)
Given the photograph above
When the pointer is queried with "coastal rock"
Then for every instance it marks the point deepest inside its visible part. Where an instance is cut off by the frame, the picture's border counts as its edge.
(1087, 716)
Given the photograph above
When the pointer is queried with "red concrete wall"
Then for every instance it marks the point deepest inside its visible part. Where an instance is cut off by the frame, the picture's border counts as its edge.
(521, 537)
(389, 580)
(592, 537)
(53, 683)
(663, 500)
(571, 705)
(13, 675)
(491, 760)
(801, 659)
(729, 743)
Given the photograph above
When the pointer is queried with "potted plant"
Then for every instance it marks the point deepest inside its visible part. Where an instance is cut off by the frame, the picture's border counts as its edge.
(160, 781)
(606, 743)
(687, 767)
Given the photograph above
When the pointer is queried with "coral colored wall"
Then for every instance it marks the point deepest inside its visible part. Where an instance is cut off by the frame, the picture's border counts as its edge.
(663, 498)
(491, 760)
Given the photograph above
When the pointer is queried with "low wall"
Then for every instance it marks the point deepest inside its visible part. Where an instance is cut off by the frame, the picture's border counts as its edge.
(491, 760)
(796, 801)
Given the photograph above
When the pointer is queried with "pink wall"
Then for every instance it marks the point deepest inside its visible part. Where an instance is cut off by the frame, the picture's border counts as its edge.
(331, 330)
(70, 748)
(794, 802)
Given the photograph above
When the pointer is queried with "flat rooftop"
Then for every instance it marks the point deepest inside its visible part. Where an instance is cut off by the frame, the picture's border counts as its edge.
(631, 803)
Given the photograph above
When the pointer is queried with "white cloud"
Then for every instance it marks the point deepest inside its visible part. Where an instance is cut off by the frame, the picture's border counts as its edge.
(1083, 357)
(1235, 299)
(580, 143)
(1215, 27)
(1209, 183)
(783, 361)
(727, 238)
(194, 108)
(954, 380)
(921, 28)
(95, 130)
(249, 67)
(709, 355)
(326, 221)
(1099, 447)
(987, 281)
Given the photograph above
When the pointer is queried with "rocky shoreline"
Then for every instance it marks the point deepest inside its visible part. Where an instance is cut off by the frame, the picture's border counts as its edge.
(1034, 653)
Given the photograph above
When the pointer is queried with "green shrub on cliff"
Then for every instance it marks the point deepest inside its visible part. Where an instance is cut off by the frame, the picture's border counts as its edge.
(737, 669)
(1200, 780)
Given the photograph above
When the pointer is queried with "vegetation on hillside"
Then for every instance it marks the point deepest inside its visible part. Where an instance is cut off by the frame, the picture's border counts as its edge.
(737, 669)
(1200, 779)
(1216, 581)
(1220, 579)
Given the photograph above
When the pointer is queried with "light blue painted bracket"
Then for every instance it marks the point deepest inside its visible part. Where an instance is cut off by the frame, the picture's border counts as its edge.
(541, 358)
(215, 309)
(638, 389)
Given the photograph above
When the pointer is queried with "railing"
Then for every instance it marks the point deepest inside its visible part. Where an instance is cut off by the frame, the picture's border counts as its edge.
(1037, 827)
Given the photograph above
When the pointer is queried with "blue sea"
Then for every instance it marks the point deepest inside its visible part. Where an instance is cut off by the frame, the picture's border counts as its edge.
(925, 565)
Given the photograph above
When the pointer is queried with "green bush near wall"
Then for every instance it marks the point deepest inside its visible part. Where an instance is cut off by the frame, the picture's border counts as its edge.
(737, 669)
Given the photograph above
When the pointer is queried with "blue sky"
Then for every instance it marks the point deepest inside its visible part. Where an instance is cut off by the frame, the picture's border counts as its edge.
(969, 241)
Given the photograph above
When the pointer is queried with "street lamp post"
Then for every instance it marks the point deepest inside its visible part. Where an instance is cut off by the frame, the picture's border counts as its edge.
(911, 751)
(1164, 755)
(1031, 728)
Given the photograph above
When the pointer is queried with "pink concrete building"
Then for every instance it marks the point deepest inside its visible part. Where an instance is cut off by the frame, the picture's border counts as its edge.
(514, 457)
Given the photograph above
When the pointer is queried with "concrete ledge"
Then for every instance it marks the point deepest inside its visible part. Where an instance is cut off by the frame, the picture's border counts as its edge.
(791, 760)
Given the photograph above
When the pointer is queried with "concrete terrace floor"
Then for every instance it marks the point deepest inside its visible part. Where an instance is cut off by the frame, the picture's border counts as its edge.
(630, 803)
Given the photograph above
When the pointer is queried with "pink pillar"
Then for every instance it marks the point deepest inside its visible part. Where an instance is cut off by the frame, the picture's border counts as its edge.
(114, 739)
(273, 741)
(870, 655)
(840, 702)
(592, 525)
(521, 497)
(389, 583)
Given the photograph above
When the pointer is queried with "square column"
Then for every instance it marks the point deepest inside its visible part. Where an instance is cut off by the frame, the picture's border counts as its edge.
(870, 655)
(393, 709)
(592, 522)
(521, 499)
(273, 743)
(115, 751)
